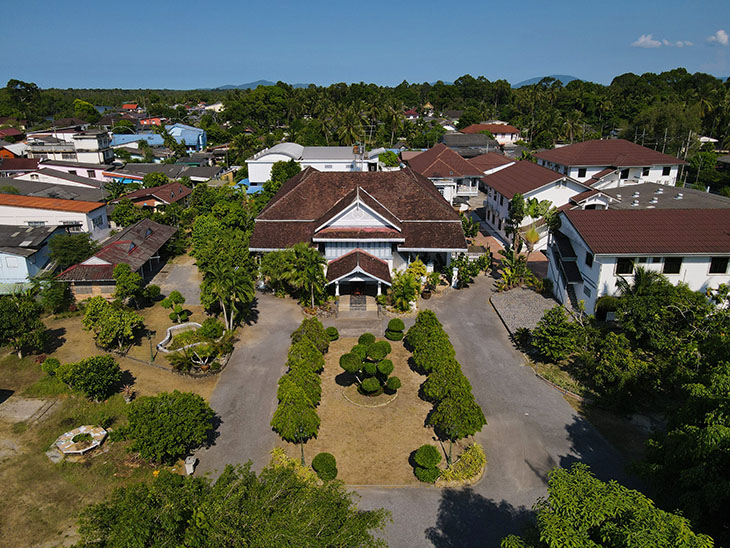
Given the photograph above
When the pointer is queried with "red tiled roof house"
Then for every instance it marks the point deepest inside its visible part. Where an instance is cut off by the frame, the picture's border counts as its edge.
(366, 224)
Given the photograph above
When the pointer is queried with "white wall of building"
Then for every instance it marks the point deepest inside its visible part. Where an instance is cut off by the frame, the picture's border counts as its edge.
(636, 175)
(94, 222)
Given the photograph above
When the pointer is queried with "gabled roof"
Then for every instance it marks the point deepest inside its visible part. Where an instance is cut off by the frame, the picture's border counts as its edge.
(169, 193)
(490, 160)
(607, 152)
(358, 261)
(54, 190)
(134, 245)
(24, 240)
(653, 231)
(129, 106)
(441, 161)
(491, 128)
(53, 204)
(86, 181)
(522, 177)
(19, 164)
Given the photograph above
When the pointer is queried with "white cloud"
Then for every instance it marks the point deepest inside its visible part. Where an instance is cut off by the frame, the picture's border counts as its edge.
(720, 38)
(648, 41)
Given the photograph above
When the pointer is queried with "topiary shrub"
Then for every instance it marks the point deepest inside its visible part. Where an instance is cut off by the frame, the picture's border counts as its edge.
(376, 352)
(306, 380)
(394, 335)
(312, 329)
(385, 367)
(50, 365)
(427, 456)
(396, 324)
(393, 384)
(370, 385)
(304, 353)
(211, 329)
(332, 333)
(369, 368)
(366, 339)
(325, 465)
(350, 362)
(427, 475)
(361, 350)
(385, 345)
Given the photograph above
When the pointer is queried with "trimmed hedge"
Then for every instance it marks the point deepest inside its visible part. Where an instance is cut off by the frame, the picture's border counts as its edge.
(366, 339)
(385, 367)
(370, 385)
(468, 466)
(376, 352)
(304, 353)
(427, 456)
(325, 465)
(394, 335)
(427, 475)
(350, 362)
(332, 333)
(312, 329)
(393, 383)
(369, 368)
(396, 324)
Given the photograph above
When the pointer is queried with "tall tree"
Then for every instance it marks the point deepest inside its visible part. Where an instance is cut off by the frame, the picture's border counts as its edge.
(307, 273)
(20, 323)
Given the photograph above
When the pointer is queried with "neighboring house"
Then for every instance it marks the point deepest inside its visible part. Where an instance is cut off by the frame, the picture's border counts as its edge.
(159, 195)
(11, 132)
(137, 245)
(194, 138)
(154, 121)
(134, 173)
(91, 146)
(610, 163)
(503, 133)
(92, 171)
(593, 249)
(451, 174)
(491, 162)
(158, 154)
(342, 159)
(12, 167)
(13, 150)
(23, 254)
(468, 146)
(20, 186)
(133, 139)
(47, 175)
(365, 224)
(532, 181)
(130, 107)
(76, 215)
(10, 121)
(411, 114)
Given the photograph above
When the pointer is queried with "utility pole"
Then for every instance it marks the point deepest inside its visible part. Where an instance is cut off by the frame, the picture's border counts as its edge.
(665, 139)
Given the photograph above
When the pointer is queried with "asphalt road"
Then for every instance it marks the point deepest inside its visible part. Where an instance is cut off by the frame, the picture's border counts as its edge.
(530, 430)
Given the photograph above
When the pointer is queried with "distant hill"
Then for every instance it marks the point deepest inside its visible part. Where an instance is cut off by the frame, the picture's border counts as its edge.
(564, 78)
(257, 83)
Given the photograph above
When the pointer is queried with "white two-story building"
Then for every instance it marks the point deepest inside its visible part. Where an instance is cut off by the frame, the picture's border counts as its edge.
(595, 248)
(611, 163)
(91, 146)
(74, 215)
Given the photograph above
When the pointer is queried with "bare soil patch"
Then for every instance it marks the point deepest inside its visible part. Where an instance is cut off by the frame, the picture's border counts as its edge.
(372, 445)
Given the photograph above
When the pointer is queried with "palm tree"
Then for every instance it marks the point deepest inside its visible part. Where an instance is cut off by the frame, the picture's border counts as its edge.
(645, 281)
(232, 287)
(307, 272)
(572, 124)
(350, 127)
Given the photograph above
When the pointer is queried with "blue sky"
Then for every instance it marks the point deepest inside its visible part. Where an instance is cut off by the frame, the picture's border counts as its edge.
(184, 44)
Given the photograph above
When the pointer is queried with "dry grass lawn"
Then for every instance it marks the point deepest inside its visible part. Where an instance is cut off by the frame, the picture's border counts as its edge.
(372, 445)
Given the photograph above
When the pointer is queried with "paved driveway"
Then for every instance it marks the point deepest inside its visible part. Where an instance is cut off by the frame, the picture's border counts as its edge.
(245, 396)
(180, 274)
(531, 428)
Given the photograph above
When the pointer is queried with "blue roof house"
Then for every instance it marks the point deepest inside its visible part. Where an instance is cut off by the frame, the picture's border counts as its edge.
(195, 139)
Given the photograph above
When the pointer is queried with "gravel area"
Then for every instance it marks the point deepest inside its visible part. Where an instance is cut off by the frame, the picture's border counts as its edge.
(521, 307)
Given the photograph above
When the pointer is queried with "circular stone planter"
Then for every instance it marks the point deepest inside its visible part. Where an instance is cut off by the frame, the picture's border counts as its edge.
(65, 443)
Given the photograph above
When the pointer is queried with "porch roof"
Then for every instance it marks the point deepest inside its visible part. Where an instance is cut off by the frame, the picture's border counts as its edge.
(358, 261)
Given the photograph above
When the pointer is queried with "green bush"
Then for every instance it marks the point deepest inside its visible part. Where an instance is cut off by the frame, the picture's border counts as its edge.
(366, 339)
(211, 329)
(312, 329)
(376, 352)
(468, 466)
(370, 385)
(369, 368)
(332, 333)
(325, 465)
(427, 456)
(396, 324)
(554, 335)
(445, 381)
(81, 438)
(385, 345)
(394, 335)
(350, 362)
(305, 379)
(96, 376)
(167, 426)
(50, 365)
(361, 350)
(393, 383)
(522, 336)
(304, 353)
(385, 367)
(427, 475)
(435, 351)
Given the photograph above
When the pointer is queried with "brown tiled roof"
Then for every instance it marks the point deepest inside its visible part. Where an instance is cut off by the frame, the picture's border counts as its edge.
(607, 152)
(491, 128)
(441, 161)
(408, 155)
(169, 193)
(596, 177)
(583, 195)
(490, 160)
(358, 234)
(269, 235)
(55, 204)
(522, 177)
(653, 231)
(134, 245)
(19, 164)
(358, 260)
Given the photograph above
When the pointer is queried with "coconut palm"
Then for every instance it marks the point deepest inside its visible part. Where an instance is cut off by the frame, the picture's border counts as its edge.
(232, 287)
(645, 281)
(307, 272)
(349, 129)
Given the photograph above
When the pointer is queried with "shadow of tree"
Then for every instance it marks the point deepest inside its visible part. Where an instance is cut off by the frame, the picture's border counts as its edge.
(466, 519)
(214, 433)
(54, 340)
(5, 394)
(252, 312)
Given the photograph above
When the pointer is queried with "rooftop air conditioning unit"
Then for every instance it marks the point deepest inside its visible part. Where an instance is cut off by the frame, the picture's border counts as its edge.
(635, 203)
(679, 196)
